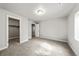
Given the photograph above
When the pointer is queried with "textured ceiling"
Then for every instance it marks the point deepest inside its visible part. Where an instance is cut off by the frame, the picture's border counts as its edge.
(53, 10)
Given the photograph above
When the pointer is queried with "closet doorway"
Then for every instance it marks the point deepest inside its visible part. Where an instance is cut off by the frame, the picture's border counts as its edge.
(14, 31)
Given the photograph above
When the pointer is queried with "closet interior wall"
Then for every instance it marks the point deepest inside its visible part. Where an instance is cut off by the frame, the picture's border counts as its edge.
(14, 29)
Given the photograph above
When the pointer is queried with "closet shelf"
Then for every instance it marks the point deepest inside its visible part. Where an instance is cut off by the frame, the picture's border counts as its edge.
(14, 26)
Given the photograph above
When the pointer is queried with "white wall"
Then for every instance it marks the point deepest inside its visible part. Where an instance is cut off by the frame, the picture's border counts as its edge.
(3, 37)
(55, 29)
(4, 28)
(73, 42)
(23, 30)
(29, 29)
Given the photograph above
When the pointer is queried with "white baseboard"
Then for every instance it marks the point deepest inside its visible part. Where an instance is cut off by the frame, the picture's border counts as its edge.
(70, 45)
(23, 41)
(55, 39)
(3, 48)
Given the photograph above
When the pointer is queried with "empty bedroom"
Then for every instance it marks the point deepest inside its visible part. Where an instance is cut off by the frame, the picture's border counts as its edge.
(39, 29)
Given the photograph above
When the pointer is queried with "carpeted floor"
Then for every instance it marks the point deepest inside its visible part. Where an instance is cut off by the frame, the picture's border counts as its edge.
(38, 47)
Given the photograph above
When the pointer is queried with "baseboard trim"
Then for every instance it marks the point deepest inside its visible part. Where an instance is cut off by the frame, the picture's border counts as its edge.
(54, 40)
(23, 41)
(72, 49)
(3, 48)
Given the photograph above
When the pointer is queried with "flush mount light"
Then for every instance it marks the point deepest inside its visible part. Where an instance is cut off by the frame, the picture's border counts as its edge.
(40, 11)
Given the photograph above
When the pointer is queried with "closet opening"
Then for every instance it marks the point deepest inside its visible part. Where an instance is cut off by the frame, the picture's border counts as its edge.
(13, 31)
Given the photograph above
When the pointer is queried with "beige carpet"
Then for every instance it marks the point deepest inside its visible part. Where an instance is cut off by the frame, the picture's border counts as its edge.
(38, 47)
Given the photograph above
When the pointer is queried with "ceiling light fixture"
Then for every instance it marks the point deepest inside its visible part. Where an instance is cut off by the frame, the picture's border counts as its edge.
(40, 11)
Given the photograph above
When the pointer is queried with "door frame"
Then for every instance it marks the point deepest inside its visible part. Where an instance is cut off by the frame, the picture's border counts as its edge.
(15, 17)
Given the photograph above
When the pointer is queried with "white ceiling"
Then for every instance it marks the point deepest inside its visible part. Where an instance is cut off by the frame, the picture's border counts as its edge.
(53, 10)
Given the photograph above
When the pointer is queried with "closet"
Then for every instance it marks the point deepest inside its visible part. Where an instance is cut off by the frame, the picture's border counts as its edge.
(14, 29)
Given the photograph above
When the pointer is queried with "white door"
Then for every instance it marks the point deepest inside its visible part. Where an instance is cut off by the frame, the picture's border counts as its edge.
(37, 30)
